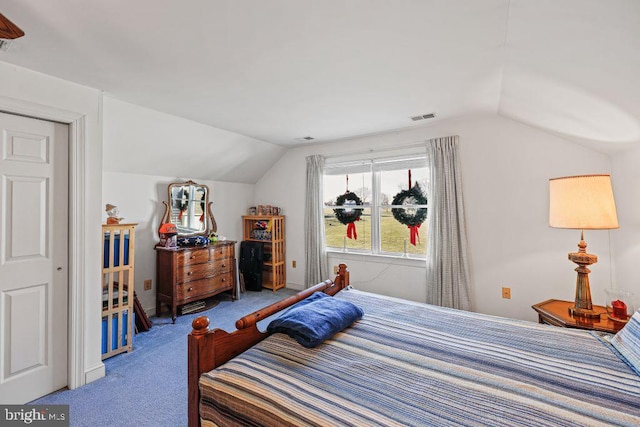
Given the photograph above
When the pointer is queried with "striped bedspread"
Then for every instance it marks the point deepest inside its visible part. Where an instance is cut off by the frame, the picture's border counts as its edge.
(412, 364)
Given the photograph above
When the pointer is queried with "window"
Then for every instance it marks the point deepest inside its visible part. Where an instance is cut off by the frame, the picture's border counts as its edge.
(372, 228)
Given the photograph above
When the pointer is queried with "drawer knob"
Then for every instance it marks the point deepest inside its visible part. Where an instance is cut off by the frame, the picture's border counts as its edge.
(193, 256)
(189, 273)
(224, 265)
(190, 289)
(223, 280)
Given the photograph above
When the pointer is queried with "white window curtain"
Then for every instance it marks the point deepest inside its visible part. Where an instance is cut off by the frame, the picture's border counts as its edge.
(448, 277)
(316, 265)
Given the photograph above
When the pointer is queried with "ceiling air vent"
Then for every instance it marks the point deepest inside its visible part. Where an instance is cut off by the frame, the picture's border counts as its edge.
(422, 117)
(305, 139)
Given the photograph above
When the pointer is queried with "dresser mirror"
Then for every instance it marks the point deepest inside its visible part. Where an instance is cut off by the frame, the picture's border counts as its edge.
(189, 209)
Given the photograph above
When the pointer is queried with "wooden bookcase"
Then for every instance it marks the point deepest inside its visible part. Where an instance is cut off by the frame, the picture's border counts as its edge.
(274, 274)
(117, 288)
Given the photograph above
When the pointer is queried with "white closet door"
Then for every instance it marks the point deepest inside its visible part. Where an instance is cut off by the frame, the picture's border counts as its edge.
(33, 258)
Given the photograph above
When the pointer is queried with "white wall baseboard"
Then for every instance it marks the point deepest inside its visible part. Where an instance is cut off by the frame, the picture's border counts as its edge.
(94, 373)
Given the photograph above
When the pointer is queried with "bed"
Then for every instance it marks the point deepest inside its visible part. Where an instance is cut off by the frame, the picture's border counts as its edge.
(407, 363)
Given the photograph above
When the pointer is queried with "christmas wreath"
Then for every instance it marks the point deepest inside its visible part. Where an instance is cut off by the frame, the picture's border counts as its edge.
(348, 216)
(411, 217)
(181, 202)
(202, 207)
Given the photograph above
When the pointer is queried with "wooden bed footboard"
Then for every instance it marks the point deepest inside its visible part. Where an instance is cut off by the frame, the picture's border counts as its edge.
(208, 349)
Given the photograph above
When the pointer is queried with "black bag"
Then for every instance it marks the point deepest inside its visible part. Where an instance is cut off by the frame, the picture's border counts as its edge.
(251, 259)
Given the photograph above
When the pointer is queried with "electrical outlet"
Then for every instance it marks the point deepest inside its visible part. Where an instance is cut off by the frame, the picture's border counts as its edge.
(336, 269)
(293, 264)
(506, 293)
(147, 284)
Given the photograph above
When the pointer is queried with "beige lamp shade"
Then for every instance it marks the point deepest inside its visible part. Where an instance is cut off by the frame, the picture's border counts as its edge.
(582, 202)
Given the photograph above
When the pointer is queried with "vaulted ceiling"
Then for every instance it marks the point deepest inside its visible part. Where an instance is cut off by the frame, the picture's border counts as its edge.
(278, 70)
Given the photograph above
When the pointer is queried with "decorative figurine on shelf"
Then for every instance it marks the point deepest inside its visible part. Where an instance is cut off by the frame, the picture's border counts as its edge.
(619, 309)
(168, 233)
(112, 214)
(619, 304)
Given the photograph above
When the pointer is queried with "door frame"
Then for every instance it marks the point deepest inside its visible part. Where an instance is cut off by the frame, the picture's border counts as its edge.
(77, 219)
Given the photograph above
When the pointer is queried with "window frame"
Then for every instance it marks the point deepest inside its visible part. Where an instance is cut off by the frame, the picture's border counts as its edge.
(375, 204)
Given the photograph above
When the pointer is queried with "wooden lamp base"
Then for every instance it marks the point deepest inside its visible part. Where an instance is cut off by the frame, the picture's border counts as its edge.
(583, 306)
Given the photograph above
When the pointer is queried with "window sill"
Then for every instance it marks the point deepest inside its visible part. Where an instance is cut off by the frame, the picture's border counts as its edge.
(377, 258)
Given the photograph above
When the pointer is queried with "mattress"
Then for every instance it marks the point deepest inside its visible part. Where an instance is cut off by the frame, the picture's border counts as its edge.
(407, 363)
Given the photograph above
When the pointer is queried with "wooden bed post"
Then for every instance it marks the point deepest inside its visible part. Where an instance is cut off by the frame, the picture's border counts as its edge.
(343, 276)
(207, 349)
(197, 355)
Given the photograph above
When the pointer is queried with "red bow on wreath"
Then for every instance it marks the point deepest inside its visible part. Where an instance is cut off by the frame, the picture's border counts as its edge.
(351, 230)
(413, 234)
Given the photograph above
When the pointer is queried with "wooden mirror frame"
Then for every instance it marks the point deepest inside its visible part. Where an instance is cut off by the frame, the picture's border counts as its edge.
(210, 225)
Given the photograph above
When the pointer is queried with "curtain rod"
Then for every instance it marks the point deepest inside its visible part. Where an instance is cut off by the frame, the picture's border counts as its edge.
(416, 144)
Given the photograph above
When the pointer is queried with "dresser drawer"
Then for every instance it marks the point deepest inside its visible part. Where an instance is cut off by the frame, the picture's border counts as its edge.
(221, 252)
(199, 288)
(189, 257)
(190, 273)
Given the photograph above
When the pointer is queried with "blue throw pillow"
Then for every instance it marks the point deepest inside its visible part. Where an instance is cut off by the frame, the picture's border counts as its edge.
(627, 342)
(315, 319)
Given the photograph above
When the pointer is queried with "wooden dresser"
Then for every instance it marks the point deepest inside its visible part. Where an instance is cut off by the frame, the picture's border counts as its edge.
(190, 274)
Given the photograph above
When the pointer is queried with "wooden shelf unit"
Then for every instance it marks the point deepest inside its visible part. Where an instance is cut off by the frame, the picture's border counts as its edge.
(117, 288)
(274, 274)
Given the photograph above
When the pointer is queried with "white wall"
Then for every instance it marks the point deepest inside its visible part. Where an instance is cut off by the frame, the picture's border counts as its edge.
(625, 178)
(138, 133)
(505, 168)
(139, 200)
(144, 141)
(34, 93)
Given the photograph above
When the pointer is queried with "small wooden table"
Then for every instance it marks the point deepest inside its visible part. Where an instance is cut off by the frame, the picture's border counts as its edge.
(556, 312)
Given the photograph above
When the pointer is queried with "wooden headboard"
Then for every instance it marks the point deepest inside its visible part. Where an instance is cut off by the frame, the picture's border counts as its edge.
(208, 349)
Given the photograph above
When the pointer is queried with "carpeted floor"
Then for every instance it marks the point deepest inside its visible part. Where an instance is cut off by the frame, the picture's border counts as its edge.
(148, 387)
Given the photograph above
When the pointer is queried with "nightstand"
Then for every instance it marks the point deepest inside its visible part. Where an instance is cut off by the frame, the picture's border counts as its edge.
(555, 312)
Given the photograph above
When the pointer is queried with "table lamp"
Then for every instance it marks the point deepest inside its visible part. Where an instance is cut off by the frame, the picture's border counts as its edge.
(582, 202)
